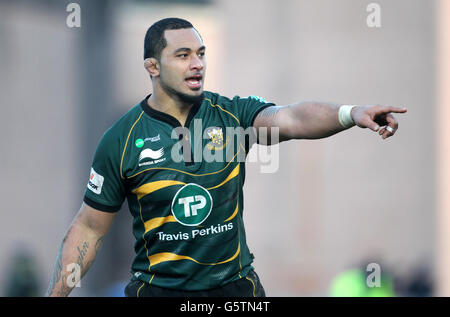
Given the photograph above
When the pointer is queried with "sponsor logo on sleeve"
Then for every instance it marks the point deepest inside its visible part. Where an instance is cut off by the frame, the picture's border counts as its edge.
(95, 182)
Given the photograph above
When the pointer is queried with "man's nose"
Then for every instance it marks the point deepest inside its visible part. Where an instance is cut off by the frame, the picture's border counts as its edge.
(197, 63)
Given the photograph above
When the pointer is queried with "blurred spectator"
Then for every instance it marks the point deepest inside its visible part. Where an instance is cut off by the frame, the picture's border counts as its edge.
(22, 276)
(354, 283)
(419, 283)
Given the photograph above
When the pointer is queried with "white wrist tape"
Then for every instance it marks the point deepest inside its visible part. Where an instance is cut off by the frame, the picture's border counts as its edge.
(345, 119)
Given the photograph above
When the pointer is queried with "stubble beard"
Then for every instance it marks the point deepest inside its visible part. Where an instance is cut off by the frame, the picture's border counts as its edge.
(180, 96)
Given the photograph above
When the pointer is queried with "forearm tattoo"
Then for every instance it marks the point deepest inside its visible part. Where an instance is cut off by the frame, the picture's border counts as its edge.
(57, 271)
(59, 276)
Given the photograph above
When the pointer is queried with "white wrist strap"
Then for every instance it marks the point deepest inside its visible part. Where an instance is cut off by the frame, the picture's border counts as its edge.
(345, 119)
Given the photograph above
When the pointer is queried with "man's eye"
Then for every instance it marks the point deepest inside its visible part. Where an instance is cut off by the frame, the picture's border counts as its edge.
(201, 54)
(182, 55)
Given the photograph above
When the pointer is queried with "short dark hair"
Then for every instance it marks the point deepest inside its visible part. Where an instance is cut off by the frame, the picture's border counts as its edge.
(155, 41)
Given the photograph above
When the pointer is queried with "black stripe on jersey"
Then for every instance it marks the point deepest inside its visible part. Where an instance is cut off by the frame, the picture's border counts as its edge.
(231, 198)
(258, 111)
(139, 179)
(151, 209)
(100, 206)
(135, 182)
(247, 141)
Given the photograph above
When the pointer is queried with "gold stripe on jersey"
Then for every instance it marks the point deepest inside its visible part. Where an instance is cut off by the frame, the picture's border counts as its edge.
(157, 222)
(253, 283)
(168, 256)
(234, 213)
(214, 106)
(143, 234)
(148, 188)
(137, 294)
(234, 173)
(126, 143)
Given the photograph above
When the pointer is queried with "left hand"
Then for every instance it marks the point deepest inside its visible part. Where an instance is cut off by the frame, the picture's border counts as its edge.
(374, 117)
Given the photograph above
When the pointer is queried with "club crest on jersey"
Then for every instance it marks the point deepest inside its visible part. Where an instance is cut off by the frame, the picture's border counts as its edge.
(191, 205)
(215, 135)
(154, 155)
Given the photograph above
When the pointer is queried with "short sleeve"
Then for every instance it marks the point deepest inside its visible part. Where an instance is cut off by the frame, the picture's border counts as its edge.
(105, 189)
(248, 108)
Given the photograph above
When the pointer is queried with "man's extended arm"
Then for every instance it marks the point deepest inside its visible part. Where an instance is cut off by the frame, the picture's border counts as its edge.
(314, 120)
(79, 246)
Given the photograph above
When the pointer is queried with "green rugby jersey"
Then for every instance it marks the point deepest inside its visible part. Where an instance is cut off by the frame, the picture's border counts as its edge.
(188, 212)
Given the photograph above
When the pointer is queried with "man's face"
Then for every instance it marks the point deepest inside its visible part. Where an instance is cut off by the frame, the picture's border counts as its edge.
(183, 64)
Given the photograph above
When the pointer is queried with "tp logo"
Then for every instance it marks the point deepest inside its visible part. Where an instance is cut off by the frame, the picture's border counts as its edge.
(191, 205)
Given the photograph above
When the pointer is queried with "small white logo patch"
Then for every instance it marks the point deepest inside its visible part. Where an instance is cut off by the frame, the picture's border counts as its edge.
(149, 153)
(154, 139)
(95, 182)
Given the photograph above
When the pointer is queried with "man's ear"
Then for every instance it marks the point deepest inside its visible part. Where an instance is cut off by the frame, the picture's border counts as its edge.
(152, 66)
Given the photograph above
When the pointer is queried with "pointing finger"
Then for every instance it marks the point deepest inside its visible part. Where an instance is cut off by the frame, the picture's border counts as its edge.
(388, 109)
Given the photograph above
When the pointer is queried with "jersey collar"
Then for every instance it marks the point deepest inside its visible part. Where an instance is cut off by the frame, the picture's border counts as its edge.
(162, 116)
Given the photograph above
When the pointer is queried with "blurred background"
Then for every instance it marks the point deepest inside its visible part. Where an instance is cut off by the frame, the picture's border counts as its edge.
(333, 207)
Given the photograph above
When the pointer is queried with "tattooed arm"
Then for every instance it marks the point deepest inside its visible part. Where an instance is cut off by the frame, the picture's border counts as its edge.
(316, 120)
(79, 249)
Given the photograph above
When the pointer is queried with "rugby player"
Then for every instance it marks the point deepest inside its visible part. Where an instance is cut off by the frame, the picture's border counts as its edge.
(188, 211)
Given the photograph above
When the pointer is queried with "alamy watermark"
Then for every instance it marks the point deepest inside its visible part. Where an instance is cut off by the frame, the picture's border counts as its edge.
(226, 145)
(374, 18)
(74, 277)
(73, 19)
(374, 277)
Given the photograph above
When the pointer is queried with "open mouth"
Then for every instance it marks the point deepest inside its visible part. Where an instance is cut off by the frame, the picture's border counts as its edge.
(194, 81)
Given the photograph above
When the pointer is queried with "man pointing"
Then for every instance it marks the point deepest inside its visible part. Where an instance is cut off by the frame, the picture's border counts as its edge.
(188, 212)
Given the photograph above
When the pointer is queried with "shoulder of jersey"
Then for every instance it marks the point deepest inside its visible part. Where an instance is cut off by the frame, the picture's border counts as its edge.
(215, 98)
(212, 96)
